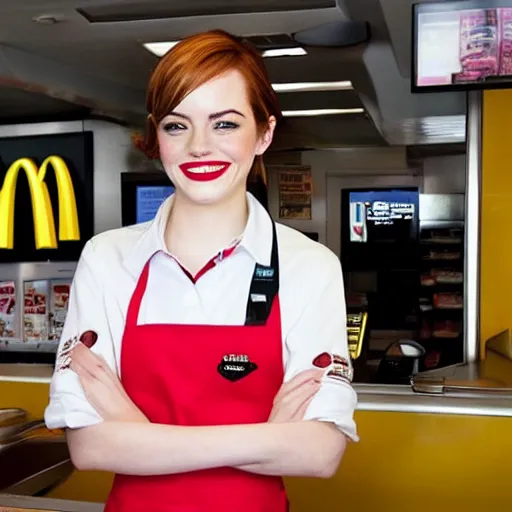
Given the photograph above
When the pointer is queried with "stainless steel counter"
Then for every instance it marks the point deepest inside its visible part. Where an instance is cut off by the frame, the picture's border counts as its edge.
(403, 399)
(16, 503)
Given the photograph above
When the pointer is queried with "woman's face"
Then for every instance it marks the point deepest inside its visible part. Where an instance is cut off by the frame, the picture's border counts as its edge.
(208, 143)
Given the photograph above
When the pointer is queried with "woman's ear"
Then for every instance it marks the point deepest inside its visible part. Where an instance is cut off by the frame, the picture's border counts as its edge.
(266, 139)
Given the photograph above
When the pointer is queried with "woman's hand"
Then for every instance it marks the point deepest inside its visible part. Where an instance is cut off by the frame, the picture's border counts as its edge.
(102, 387)
(293, 398)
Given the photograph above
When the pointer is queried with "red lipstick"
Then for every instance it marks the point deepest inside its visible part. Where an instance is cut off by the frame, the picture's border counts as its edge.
(204, 171)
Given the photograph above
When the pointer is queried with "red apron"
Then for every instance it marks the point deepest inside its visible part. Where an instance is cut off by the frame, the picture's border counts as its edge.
(204, 375)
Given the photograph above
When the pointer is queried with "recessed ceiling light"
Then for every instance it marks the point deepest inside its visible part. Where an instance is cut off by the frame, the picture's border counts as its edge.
(160, 49)
(48, 19)
(345, 85)
(322, 112)
(285, 52)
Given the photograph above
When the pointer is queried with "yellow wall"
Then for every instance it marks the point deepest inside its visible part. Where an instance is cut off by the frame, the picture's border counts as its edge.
(496, 233)
(405, 462)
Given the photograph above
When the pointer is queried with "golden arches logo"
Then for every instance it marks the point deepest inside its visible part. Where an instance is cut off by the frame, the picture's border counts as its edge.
(44, 224)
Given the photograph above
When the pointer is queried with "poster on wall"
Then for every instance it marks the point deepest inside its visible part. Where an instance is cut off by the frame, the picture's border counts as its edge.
(59, 299)
(35, 310)
(7, 310)
(295, 191)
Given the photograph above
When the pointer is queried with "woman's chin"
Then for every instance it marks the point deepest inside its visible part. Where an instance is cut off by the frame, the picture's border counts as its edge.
(205, 199)
(210, 194)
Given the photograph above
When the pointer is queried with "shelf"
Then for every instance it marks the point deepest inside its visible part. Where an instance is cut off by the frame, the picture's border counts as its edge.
(28, 346)
(445, 243)
(433, 339)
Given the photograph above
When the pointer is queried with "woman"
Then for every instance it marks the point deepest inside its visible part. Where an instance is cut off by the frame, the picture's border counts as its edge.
(227, 331)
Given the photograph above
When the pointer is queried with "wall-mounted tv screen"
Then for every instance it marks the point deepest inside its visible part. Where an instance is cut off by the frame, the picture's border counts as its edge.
(149, 199)
(462, 45)
(383, 215)
(379, 227)
(142, 193)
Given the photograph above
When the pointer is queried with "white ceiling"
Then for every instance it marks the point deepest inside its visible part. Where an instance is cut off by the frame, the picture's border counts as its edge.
(63, 68)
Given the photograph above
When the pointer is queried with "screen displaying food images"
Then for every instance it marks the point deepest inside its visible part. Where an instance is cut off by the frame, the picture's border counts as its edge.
(45, 308)
(463, 46)
(7, 310)
(383, 215)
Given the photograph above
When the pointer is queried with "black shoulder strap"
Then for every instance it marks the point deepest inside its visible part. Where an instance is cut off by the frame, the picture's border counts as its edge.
(264, 287)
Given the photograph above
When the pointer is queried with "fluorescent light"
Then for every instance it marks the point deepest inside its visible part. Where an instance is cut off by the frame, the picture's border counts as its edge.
(345, 85)
(322, 112)
(285, 52)
(160, 49)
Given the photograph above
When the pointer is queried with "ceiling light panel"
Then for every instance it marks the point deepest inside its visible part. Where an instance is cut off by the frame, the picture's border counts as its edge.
(161, 48)
(344, 85)
(285, 52)
(322, 112)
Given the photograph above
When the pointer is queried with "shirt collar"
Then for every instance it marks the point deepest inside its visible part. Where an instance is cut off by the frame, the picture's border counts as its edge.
(256, 239)
(257, 236)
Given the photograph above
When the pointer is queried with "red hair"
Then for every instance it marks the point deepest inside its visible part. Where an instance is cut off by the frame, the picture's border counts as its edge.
(195, 61)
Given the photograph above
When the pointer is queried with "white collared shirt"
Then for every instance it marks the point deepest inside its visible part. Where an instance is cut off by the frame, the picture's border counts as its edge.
(313, 315)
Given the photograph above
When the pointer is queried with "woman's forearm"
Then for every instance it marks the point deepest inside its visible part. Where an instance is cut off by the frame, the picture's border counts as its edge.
(151, 449)
(321, 449)
(148, 449)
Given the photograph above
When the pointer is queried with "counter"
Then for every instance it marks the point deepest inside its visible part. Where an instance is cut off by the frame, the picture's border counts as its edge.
(40, 373)
(378, 473)
(371, 397)
(10, 503)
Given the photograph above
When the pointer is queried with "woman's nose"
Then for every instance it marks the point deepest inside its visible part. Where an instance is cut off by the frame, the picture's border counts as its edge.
(199, 145)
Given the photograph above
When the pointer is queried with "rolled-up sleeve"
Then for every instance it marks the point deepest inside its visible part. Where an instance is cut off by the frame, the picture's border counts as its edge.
(319, 339)
(86, 321)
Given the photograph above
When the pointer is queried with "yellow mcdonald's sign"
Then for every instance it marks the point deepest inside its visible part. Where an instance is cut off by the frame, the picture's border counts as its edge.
(44, 224)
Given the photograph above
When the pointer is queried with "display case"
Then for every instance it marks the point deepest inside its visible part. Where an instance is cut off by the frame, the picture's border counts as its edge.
(33, 307)
(441, 300)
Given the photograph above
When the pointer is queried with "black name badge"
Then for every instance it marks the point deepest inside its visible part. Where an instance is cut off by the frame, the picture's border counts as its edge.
(235, 367)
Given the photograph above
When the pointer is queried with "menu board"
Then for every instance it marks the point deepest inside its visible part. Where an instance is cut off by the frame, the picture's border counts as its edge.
(295, 193)
(7, 310)
(35, 310)
(59, 298)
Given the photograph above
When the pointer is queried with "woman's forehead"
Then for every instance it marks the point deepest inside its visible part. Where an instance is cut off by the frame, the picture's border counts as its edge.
(225, 92)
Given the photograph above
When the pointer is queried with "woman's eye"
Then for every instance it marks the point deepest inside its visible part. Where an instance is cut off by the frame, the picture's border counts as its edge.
(173, 127)
(225, 125)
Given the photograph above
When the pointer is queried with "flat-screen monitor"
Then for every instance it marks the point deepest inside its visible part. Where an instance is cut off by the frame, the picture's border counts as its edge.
(385, 216)
(379, 228)
(149, 199)
(142, 193)
(462, 45)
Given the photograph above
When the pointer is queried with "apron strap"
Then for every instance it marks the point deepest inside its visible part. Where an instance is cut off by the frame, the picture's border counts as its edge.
(132, 316)
(264, 287)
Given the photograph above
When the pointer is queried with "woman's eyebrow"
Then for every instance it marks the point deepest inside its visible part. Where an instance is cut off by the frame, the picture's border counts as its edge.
(216, 115)
(224, 112)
